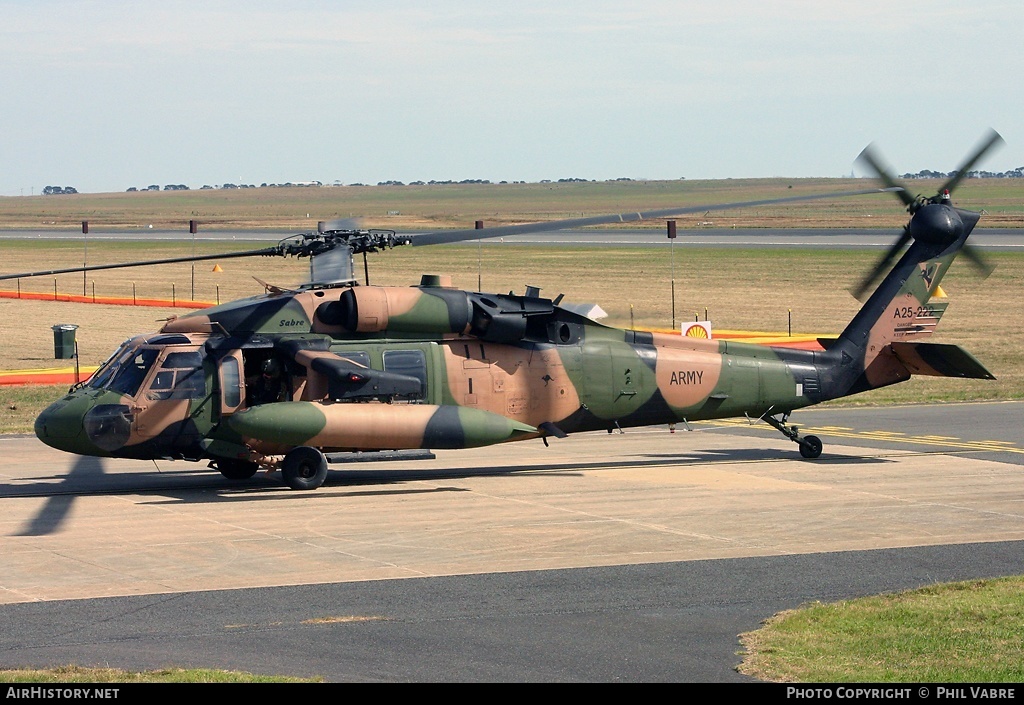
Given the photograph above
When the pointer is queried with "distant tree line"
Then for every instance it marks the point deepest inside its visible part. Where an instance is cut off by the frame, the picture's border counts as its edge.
(155, 187)
(432, 182)
(207, 187)
(54, 190)
(1017, 173)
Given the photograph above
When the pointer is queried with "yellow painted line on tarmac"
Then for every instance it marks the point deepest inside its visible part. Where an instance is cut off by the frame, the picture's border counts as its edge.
(940, 441)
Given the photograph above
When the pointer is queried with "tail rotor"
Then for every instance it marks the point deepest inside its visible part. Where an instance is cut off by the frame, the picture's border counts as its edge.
(933, 219)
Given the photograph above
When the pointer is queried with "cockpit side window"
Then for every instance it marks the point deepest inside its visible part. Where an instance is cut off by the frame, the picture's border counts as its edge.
(179, 377)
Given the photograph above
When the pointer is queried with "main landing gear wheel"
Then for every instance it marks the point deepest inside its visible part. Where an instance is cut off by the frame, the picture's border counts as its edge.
(234, 469)
(304, 468)
(810, 446)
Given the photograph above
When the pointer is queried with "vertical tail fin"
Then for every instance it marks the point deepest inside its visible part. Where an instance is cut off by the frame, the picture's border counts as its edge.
(906, 307)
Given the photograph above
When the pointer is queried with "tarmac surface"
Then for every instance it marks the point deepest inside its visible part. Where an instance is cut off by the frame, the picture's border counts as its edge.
(633, 557)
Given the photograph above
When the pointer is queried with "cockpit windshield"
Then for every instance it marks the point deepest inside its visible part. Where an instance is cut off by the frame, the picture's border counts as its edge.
(125, 371)
(105, 371)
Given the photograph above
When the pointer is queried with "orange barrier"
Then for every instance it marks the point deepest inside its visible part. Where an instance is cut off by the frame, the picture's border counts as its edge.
(778, 340)
(51, 375)
(112, 300)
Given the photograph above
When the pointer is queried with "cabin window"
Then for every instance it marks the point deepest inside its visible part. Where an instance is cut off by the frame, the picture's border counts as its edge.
(357, 356)
(412, 363)
(180, 377)
(231, 379)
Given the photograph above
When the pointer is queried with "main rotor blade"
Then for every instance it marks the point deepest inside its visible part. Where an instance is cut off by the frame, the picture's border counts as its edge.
(883, 172)
(267, 251)
(341, 224)
(991, 140)
(883, 264)
(450, 236)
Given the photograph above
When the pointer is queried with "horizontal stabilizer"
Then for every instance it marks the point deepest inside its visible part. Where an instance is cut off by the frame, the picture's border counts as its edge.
(938, 360)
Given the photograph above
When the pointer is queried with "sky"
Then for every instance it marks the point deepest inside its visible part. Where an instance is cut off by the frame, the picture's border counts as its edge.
(107, 95)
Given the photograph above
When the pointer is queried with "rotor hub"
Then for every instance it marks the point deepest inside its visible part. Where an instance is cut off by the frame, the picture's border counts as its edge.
(936, 223)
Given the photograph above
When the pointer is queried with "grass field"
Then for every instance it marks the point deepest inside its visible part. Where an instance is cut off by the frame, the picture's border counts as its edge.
(459, 205)
(967, 632)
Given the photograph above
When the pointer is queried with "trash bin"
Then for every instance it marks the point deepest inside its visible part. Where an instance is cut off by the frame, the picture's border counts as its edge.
(64, 341)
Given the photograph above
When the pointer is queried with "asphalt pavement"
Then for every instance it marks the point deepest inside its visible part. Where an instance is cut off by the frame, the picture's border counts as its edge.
(634, 557)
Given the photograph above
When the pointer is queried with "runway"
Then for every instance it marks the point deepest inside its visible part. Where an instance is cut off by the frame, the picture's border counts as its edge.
(992, 239)
(633, 557)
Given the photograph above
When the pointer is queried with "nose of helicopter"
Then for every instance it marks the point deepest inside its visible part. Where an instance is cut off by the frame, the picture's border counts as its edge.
(76, 424)
(58, 425)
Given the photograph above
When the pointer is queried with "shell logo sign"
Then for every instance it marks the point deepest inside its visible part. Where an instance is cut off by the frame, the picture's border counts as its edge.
(698, 329)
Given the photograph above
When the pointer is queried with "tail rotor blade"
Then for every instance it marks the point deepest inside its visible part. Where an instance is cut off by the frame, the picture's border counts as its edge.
(883, 172)
(882, 266)
(991, 140)
(981, 264)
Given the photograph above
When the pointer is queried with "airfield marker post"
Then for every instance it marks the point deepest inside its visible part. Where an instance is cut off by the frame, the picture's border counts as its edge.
(479, 225)
(192, 228)
(671, 224)
(85, 251)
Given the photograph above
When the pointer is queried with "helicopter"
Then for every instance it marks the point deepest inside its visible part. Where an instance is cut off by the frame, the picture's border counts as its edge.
(282, 380)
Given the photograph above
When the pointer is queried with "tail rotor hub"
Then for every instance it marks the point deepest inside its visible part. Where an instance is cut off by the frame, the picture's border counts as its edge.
(937, 224)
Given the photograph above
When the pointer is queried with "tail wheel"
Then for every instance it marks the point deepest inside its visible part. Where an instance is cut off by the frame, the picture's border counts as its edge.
(810, 446)
(304, 468)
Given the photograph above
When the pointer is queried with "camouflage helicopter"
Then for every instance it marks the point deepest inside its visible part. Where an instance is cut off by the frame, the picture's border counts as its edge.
(281, 380)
